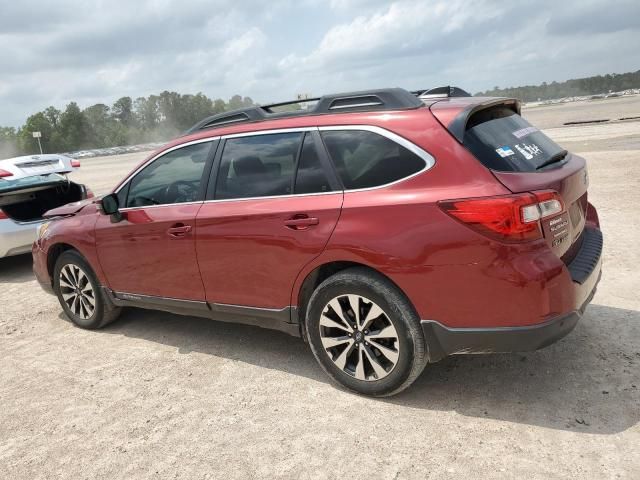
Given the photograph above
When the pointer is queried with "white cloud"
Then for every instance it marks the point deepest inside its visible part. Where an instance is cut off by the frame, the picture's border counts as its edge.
(239, 46)
(403, 29)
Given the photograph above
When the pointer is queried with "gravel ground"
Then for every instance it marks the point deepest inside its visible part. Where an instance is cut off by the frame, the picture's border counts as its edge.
(162, 396)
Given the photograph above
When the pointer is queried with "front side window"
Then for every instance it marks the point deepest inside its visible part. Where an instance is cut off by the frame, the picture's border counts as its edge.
(258, 166)
(172, 178)
(365, 159)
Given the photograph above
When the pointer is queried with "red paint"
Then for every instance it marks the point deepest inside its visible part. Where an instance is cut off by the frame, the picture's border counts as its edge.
(256, 253)
(248, 255)
(141, 254)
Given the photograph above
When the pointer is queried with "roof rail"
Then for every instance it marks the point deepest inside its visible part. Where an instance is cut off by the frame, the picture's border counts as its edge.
(441, 92)
(363, 101)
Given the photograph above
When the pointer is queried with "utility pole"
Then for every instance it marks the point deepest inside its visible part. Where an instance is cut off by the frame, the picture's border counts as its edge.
(38, 135)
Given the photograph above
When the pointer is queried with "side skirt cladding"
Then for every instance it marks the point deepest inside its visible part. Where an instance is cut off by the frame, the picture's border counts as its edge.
(273, 319)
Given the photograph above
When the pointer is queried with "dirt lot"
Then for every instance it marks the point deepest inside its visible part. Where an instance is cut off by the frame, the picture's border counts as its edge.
(162, 396)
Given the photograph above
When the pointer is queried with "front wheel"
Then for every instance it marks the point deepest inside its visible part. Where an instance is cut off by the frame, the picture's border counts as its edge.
(365, 334)
(78, 292)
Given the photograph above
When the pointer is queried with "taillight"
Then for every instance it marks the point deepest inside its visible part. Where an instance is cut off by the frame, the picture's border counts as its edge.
(3, 215)
(510, 218)
(4, 173)
(75, 163)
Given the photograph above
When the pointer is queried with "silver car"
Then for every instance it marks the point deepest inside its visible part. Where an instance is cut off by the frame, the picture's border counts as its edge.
(30, 186)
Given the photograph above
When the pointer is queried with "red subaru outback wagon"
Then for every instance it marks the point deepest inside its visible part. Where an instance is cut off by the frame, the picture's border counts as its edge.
(385, 229)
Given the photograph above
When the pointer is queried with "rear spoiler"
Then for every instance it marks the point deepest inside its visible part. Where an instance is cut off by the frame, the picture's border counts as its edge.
(454, 116)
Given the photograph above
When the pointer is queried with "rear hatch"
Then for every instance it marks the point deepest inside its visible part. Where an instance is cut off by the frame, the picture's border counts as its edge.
(524, 159)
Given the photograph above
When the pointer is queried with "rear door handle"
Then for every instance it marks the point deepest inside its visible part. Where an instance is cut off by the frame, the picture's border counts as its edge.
(178, 231)
(300, 222)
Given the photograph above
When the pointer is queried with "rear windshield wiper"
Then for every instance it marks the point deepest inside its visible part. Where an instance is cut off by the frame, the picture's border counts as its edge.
(555, 158)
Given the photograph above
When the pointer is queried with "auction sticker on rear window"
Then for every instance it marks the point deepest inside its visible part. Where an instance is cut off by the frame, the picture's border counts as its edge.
(505, 151)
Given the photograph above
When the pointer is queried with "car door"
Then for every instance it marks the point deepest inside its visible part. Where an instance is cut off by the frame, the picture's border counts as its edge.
(151, 251)
(273, 203)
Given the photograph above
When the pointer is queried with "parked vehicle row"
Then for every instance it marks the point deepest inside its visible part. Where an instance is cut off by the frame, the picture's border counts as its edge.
(386, 231)
(101, 152)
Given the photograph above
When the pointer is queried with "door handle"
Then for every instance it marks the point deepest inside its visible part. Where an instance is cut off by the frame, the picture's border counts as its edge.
(178, 231)
(301, 222)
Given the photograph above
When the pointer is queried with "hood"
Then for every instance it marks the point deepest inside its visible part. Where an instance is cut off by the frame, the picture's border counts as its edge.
(35, 165)
(70, 209)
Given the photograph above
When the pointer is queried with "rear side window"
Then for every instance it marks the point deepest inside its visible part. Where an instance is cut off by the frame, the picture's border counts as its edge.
(504, 141)
(365, 159)
(258, 166)
(311, 176)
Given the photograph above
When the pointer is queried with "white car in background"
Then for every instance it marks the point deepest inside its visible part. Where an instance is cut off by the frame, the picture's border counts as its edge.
(29, 187)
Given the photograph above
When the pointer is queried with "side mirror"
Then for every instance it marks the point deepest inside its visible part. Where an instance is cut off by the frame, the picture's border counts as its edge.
(109, 205)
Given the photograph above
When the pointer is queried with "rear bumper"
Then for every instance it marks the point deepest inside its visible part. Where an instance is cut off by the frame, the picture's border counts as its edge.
(585, 271)
(16, 238)
(443, 341)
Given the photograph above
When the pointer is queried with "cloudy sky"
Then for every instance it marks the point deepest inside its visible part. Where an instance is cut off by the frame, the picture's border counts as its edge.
(97, 51)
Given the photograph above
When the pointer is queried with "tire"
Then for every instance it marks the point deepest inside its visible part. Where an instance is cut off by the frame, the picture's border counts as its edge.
(76, 287)
(388, 354)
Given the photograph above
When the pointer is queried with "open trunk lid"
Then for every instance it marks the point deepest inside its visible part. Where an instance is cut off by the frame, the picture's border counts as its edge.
(32, 185)
(31, 165)
(31, 201)
(523, 159)
(34, 172)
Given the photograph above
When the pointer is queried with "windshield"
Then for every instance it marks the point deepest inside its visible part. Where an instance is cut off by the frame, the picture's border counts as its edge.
(8, 185)
(504, 141)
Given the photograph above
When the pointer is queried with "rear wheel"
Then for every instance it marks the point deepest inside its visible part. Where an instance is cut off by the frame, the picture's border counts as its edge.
(78, 292)
(365, 334)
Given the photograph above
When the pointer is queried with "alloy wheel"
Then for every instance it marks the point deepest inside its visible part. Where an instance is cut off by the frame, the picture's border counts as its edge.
(77, 291)
(359, 337)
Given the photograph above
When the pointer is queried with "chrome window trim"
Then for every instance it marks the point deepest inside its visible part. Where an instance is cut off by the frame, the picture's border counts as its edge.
(423, 154)
(128, 209)
(269, 132)
(289, 195)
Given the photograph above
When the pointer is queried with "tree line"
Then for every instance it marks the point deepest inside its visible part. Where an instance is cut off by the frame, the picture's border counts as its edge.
(126, 122)
(576, 87)
(160, 117)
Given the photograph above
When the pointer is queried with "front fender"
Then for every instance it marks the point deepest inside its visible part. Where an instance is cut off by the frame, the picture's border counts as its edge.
(77, 232)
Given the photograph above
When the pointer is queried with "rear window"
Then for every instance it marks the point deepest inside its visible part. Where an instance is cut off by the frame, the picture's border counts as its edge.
(504, 141)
